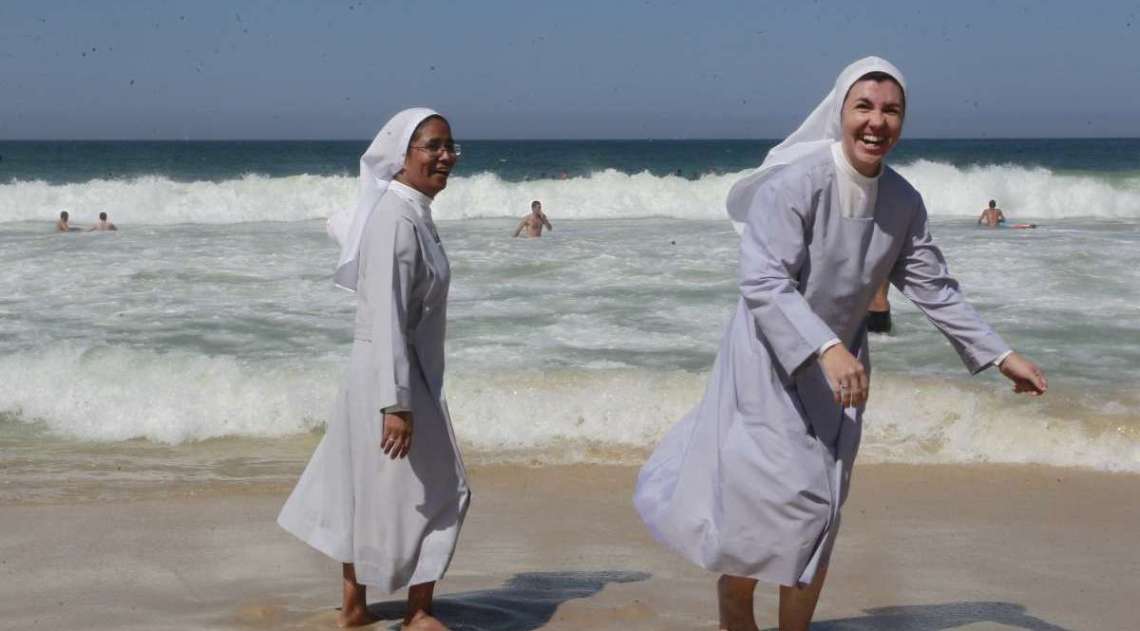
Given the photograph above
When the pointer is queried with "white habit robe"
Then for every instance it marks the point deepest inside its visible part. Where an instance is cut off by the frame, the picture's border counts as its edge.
(751, 481)
(397, 520)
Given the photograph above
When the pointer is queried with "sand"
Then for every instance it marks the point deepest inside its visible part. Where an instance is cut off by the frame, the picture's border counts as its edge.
(560, 548)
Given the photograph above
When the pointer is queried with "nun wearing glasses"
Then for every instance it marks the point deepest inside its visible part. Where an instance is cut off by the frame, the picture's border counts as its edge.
(750, 484)
(386, 492)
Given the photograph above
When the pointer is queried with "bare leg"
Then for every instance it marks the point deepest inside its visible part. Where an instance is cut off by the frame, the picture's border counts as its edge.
(419, 616)
(880, 301)
(353, 608)
(734, 602)
(797, 604)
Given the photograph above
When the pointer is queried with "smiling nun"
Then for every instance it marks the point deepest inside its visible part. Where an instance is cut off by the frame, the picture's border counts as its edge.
(750, 483)
(386, 492)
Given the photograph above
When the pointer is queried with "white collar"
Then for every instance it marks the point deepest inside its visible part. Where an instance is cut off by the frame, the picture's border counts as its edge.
(419, 200)
(849, 171)
(857, 192)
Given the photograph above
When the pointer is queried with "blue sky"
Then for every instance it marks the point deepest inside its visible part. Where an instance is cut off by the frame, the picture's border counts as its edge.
(577, 69)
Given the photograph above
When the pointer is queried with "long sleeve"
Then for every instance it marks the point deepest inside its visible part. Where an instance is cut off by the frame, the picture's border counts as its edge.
(921, 274)
(388, 277)
(772, 251)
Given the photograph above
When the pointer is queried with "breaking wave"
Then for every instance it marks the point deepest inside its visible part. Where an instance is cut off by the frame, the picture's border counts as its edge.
(1026, 192)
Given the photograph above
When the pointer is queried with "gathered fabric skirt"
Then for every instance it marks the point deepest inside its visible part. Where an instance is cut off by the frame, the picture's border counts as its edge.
(751, 481)
(398, 521)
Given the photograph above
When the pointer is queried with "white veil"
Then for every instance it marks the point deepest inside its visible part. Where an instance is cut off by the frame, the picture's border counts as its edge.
(380, 163)
(820, 129)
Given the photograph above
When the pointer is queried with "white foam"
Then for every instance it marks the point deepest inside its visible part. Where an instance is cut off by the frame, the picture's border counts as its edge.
(605, 194)
(923, 421)
(162, 201)
(1028, 192)
(114, 394)
(951, 191)
(599, 415)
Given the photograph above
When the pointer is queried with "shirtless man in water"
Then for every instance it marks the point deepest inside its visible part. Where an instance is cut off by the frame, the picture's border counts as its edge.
(64, 223)
(534, 222)
(103, 224)
(991, 216)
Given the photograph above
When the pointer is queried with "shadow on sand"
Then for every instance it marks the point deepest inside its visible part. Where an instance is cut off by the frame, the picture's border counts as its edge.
(938, 618)
(526, 602)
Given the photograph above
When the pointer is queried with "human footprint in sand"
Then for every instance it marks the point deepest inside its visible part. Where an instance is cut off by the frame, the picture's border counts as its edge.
(387, 506)
(751, 482)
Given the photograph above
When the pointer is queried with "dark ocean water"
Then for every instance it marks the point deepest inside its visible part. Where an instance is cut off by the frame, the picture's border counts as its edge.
(70, 162)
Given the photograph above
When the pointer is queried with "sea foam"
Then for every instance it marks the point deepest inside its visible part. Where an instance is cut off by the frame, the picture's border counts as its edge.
(566, 416)
(948, 190)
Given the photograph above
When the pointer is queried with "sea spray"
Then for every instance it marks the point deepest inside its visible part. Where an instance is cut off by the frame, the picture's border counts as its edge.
(541, 416)
(950, 191)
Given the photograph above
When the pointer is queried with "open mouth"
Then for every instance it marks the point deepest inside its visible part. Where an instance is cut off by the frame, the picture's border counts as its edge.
(873, 141)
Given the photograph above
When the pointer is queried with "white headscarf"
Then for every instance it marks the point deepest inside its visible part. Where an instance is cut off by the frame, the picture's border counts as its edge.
(383, 159)
(820, 129)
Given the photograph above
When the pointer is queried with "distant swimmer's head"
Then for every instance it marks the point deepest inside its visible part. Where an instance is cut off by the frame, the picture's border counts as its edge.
(102, 216)
(993, 204)
(535, 206)
(432, 153)
(871, 120)
(63, 215)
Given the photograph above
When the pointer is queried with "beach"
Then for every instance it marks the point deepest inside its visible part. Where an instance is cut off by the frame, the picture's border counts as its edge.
(560, 548)
(181, 182)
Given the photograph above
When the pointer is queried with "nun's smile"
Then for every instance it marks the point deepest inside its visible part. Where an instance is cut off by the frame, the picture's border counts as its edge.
(431, 155)
(872, 121)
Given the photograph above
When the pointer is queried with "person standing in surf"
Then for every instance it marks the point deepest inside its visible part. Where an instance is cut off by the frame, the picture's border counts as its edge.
(534, 222)
(879, 311)
(750, 483)
(387, 506)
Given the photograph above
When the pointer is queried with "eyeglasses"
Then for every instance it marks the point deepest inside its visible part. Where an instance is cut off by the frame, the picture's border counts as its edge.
(437, 148)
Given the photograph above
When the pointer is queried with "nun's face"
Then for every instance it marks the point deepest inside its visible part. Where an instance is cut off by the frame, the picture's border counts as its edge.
(872, 120)
(431, 154)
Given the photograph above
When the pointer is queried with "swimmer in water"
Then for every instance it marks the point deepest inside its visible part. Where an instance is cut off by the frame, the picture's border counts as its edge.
(991, 216)
(103, 224)
(64, 223)
(534, 222)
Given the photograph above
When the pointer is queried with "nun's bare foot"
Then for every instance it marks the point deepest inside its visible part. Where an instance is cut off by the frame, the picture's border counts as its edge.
(354, 604)
(421, 621)
(355, 616)
(734, 600)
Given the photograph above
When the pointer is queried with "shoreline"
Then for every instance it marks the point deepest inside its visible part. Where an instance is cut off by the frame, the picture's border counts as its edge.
(560, 548)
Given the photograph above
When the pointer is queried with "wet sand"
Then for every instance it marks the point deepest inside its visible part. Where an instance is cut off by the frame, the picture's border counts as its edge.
(560, 548)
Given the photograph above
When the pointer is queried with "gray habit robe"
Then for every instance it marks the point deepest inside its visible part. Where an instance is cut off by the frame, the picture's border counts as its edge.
(750, 482)
(397, 520)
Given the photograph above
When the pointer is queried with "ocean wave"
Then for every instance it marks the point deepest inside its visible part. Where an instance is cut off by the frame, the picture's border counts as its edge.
(1036, 192)
(951, 191)
(604, 415)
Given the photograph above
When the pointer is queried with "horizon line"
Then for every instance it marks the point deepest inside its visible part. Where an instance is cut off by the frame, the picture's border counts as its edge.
(619, 139)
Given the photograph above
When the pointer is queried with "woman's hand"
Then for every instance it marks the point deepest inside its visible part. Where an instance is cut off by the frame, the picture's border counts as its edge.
(1024, 374)
(396, 440)
(846, 375)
